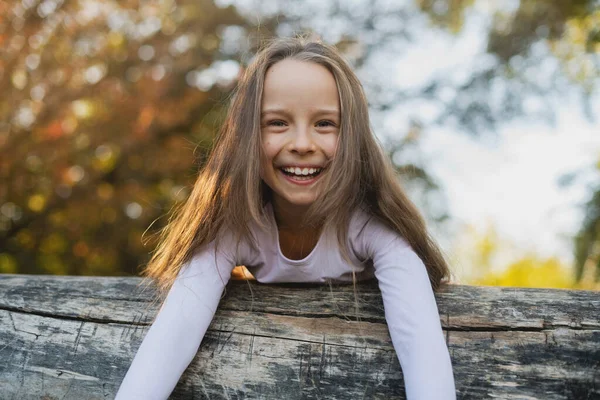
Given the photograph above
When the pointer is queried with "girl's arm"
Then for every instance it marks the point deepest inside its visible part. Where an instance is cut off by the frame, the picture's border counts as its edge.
(412, 315)
(173, 340)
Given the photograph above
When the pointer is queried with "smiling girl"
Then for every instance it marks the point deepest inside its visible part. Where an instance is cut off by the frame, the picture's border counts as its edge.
(297, 189)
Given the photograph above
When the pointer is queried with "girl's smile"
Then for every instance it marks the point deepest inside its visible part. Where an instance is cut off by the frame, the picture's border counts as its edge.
(301, 175)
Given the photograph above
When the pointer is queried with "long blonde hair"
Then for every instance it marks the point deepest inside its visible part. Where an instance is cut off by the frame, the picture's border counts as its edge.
(229, 193)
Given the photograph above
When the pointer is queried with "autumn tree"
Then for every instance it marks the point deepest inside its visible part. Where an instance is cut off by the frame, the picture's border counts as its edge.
(107, 110)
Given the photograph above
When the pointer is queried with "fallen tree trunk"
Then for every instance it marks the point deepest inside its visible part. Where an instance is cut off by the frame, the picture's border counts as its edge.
(73, 337)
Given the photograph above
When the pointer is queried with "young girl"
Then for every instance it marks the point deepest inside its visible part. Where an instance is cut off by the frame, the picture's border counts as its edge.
(297, 189)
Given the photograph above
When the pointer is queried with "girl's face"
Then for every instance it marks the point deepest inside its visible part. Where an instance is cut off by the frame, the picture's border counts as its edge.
(300, 119)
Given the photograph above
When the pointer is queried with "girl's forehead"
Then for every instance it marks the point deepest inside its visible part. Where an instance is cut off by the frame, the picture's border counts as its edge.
(294, 73)
(292, 83)
(325, 111)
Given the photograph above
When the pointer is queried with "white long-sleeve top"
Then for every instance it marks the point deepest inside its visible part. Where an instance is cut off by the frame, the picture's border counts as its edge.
(411, 311)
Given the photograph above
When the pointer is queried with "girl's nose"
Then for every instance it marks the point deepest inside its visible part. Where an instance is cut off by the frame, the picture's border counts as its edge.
(302, 141)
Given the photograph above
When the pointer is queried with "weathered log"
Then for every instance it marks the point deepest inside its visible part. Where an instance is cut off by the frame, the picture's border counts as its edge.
(67, 337)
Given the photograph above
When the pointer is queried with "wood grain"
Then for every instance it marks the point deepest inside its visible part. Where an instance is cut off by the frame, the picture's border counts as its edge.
(74, 338)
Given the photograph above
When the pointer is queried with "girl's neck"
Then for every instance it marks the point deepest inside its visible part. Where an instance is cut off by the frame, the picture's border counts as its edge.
(295, 241)
(289, 217)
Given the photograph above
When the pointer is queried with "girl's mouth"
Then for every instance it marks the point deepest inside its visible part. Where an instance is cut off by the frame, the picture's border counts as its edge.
(301, 179)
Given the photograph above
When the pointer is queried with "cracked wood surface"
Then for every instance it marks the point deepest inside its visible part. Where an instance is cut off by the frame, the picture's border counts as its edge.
(75, 337)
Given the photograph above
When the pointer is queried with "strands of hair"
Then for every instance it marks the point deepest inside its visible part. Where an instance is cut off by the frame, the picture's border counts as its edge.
(229, 194)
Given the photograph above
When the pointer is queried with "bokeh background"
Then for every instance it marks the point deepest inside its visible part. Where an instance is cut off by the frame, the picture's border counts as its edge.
(489, 110)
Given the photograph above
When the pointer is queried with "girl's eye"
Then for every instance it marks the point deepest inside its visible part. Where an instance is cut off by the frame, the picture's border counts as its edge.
(326, 122)
(274, 123)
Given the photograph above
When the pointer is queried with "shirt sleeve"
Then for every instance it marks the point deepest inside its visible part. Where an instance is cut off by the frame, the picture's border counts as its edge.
(411, 314)
(173, 340)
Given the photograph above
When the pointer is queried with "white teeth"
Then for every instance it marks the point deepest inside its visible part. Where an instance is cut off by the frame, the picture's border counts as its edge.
(299, 171)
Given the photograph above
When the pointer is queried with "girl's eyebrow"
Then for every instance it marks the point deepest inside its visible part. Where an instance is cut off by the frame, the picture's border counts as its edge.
(285, 111)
